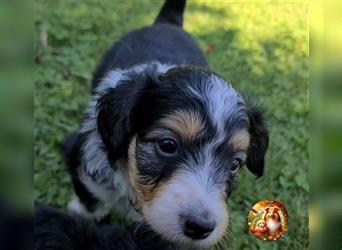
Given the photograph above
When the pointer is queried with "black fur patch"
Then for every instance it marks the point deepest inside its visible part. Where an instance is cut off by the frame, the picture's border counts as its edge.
(259, 139)
(56, 230)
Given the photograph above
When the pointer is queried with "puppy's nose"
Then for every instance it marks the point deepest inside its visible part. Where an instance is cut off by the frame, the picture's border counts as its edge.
(198, 228)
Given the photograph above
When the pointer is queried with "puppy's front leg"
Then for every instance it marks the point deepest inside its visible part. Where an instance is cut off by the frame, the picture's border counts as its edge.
(85, 203)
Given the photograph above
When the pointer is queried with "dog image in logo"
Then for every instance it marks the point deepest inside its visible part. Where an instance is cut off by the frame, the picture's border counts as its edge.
(273, 220)
(268, 220)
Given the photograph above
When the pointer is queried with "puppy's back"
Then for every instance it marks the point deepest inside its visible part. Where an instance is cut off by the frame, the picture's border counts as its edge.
(165, 42)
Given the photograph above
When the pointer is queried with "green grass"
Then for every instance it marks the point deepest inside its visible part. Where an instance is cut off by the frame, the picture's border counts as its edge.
(261, 48)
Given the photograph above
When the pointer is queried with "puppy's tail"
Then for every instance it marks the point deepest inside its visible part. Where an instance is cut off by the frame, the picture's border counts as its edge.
(172, 12)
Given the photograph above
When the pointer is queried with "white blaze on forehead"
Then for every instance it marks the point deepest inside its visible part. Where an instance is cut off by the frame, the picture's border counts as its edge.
(221, 98)
(205, 166)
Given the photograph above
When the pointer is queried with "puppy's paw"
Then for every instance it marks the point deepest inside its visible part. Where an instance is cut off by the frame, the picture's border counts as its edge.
(75, 206)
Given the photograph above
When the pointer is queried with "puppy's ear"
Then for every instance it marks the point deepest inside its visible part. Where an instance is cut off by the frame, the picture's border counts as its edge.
(115, 113)
(259, 139)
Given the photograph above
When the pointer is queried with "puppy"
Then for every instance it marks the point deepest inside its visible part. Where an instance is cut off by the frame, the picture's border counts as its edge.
(54, 229)
(164, 136)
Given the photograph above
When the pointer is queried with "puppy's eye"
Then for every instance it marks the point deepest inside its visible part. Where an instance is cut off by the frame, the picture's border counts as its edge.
(167, 147)
(236, 164)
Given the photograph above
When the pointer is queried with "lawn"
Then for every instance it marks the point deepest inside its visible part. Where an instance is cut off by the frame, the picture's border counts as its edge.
(262, 48)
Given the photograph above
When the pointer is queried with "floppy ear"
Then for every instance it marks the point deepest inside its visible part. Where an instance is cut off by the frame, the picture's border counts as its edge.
(259, 139)
(115, 113)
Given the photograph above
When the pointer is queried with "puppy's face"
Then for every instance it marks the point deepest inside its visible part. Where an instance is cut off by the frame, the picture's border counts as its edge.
(187, 135)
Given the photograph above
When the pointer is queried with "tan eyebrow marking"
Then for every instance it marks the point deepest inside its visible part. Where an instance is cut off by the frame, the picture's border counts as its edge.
(240, 140)
(186, 124)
